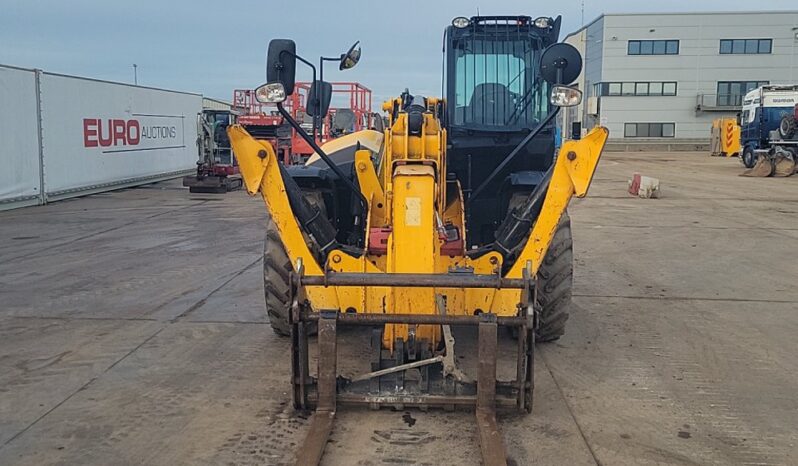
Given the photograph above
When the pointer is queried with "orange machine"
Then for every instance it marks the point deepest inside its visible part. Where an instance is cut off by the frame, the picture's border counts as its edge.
(263, 121)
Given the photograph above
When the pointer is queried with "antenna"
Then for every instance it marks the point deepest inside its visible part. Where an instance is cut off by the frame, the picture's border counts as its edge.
(583, 13)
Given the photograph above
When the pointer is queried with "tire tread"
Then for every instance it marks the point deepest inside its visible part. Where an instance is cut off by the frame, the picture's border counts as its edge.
(555, 283)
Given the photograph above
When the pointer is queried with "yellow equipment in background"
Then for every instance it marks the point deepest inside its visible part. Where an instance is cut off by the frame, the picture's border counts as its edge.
(725, 140)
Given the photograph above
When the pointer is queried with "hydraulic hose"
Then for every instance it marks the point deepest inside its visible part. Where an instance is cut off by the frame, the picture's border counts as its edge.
(515, 229)
(516, 226)
(322, 232)
(316, 225)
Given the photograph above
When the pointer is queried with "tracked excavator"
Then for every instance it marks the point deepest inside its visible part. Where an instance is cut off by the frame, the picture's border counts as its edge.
(453, 216)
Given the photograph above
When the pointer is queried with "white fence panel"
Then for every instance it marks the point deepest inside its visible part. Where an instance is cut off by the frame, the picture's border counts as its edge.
(20, 182)
(99, 134)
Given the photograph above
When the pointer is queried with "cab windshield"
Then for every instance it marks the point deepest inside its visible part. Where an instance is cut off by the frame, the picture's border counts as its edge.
(496, 85)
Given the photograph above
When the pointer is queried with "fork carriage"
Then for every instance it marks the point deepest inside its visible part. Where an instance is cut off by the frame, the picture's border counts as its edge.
(411, 377)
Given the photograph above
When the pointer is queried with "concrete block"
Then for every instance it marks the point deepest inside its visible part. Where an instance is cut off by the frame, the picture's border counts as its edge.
(644, 186)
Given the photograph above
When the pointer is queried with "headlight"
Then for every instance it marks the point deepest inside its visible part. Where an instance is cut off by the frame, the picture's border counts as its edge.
(460, 22)
(542, 22)
(271, 93)
(564, 96)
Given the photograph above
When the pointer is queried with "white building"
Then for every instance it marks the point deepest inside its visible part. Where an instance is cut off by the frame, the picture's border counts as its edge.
(215, 104)
(663, 78)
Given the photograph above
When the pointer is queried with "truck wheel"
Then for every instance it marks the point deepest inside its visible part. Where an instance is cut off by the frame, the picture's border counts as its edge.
(748, 158)
(555, 283)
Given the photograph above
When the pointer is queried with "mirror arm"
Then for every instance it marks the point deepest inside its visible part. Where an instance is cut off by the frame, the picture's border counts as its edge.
(312, 143)
(303, 61)
(313, 69)
(512, 155)
(318, 119)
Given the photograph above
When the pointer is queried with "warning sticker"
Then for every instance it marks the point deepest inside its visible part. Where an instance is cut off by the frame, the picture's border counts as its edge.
(413, 211)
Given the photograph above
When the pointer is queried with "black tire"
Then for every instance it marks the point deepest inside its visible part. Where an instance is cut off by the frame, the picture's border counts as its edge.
(555, 283)
(748, 158)
(276, 269)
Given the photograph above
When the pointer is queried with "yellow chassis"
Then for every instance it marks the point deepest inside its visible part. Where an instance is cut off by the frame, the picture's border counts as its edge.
(404, 192)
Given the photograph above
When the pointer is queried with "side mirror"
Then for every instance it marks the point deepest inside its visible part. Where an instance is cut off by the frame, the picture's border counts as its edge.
(319, 99)
(560, 63)
(350, 58)
(564, 96)
(281, 64)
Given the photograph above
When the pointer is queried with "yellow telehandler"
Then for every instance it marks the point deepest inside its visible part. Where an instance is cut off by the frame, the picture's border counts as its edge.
(454, 215)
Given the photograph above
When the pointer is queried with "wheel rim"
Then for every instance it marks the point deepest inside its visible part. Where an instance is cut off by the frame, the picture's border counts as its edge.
(748, 158)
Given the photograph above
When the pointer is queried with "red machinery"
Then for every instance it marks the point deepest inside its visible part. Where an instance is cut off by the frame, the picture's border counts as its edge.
(263, 121)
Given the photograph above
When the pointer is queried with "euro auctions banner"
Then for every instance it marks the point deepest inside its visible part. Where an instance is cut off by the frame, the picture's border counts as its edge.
(99, 133)
(139, 133)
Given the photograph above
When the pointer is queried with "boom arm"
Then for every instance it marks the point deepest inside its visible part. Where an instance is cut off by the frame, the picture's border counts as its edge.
(572, 174)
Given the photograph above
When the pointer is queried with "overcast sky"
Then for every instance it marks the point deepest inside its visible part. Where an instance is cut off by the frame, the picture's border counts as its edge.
(221, 45)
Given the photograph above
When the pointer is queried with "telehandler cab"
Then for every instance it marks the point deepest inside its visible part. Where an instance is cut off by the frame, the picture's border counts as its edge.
(455, 215)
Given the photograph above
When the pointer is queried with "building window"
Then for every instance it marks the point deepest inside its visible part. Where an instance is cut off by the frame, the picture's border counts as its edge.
(649, 130)
(745, 46)
(627, 88)
(636, 89)
(731, 93)
(653, 47)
